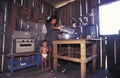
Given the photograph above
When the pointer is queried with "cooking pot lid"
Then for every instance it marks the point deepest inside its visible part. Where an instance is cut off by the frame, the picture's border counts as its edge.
(69, 30)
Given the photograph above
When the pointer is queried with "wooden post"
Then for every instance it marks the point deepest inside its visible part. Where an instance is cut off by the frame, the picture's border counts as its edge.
(94, 46)
(55, 62)
(49, 59)
(13, 17)
(83, 70)
(69, 50)
(83, 58)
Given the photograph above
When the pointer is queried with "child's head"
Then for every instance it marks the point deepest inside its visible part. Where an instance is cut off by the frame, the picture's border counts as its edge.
(44, 43)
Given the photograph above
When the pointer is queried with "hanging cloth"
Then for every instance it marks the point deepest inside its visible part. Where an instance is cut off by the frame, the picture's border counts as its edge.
(44, 29)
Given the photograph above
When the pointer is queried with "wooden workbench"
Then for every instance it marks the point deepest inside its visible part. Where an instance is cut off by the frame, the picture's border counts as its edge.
(83, 59)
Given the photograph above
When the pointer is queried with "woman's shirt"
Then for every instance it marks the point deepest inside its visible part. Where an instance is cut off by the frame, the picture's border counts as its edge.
(51, 33)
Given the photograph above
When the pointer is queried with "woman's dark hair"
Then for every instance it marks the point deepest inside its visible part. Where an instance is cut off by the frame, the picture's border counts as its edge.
(52, 17)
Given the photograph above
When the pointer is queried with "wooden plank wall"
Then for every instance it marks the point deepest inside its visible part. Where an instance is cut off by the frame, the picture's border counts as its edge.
(1, 29)
(1, 23)
(113, 55)
(67, 12)
(32, 10)
(15, 12)
(5, 32)
(72, 10)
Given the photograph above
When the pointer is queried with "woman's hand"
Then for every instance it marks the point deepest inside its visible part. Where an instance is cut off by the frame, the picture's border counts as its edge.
(61, 26)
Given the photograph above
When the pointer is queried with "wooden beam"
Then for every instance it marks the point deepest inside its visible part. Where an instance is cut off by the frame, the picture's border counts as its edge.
(68, 58)
(78, 53)
(68, 41)
(91, 58)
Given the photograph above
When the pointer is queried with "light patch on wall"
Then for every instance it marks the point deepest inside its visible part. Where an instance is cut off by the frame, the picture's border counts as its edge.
(63, 3)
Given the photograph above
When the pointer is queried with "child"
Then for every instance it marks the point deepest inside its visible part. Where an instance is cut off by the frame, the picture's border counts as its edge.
(43, 52)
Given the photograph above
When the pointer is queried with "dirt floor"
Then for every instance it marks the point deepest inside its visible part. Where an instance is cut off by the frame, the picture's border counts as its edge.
(65, 70)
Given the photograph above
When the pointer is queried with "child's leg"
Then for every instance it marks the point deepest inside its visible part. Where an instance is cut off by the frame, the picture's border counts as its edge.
(45, 62)
(42, 65)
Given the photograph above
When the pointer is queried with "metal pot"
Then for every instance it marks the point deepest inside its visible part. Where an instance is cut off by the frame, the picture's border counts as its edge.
(66, 36)
(68, 30)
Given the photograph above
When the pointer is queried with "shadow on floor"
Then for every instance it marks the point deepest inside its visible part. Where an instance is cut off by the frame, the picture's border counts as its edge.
(65, 70)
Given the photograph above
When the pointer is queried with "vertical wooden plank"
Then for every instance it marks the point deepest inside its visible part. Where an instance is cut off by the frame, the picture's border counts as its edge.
(18, 2)
(1, 33)
(13, 17)
(68, 11)
(40, 6)
(94, 47)
(69, 50)
(78, 9)
(25, 3)
(83, 58)
(55, 62)
(83, 7)
(83, 70)
(117, 52)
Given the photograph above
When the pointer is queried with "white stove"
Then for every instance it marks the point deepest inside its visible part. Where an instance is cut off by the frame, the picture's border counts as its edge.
(24, 45)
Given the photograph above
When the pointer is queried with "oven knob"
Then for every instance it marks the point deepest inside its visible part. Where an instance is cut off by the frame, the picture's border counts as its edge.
(31, 41)
(27, 40)
(23, 41)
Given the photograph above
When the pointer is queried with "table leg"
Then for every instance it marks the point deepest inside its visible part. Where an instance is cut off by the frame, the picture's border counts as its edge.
(55, 61)
(94, 65)
(83, 70)
(94, 47)
(83, 58)
(69, 50)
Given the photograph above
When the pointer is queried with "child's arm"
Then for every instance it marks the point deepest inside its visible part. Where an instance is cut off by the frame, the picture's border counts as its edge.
(40, 50)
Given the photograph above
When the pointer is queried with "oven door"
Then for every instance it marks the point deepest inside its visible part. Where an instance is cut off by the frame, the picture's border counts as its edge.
(24, 45)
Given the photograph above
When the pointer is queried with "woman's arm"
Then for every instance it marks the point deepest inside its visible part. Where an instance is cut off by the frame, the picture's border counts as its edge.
(57, 27)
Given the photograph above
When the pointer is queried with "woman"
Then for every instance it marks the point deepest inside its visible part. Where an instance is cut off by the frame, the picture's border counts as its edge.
(52, 29)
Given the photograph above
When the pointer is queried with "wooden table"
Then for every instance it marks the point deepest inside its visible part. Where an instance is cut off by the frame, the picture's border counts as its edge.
(83, 58)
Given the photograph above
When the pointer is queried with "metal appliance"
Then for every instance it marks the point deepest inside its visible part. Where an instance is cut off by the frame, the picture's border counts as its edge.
(21, 34)
(24, 45)
(67, 33)
(90, 31)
